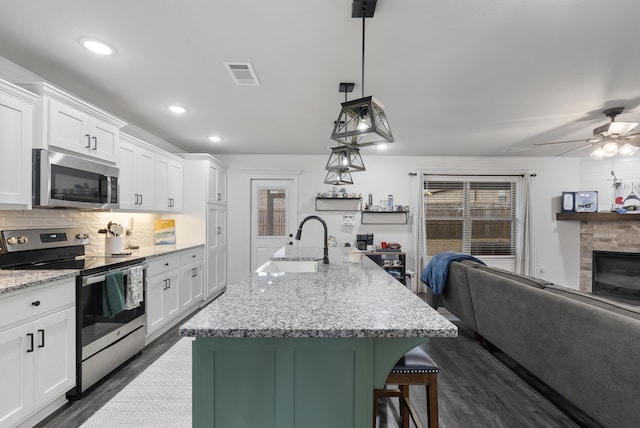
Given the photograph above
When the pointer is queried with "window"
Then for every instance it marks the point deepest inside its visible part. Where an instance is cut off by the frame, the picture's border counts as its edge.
(468, 216)
(272, 212)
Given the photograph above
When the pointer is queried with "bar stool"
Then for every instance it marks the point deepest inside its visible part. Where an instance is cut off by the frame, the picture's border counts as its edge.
(415, 368)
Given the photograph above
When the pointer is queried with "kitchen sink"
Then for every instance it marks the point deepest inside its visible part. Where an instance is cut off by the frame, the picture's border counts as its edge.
(289, 266)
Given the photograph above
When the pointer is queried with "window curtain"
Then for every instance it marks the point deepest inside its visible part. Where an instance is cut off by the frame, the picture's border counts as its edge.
(419, 236)
(525, 255)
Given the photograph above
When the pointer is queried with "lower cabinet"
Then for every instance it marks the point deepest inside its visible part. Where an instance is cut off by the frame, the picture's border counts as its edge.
(192, 279)
(163, 281)
(37, 350)
(175, 284)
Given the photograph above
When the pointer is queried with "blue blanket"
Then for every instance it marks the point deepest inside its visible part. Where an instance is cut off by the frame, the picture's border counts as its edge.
(434, 275)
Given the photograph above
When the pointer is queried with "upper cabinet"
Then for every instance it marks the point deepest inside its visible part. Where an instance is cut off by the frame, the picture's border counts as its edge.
(16, 137)
(150, 178)
(217, 183)
(137, 172)
(68, 123)
(168, 183)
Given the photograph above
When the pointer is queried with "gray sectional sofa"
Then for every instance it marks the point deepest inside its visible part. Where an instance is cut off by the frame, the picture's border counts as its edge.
(584, 347)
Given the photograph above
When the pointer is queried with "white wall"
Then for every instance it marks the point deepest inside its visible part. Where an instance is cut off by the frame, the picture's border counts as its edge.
(557, 244)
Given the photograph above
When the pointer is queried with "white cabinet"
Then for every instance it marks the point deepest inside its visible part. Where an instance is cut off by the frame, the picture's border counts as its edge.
(163, 284)
(168, 183)
(78, 132)
(37, 349)
(150, 178)
(217, 184)
(137, 174)
(192, 280)
(204, 214)
(66, 122)
(16, 136)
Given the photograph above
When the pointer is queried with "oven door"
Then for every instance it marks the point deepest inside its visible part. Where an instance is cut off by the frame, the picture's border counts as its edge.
(61, 180)
(110, 307)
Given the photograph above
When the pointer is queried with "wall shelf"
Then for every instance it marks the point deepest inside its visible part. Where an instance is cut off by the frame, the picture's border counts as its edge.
(597, 217)
(384, 217)
(385, 260)
(338, 204)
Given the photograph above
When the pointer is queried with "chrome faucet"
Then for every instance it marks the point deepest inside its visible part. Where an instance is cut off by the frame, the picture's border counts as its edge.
(325, 260)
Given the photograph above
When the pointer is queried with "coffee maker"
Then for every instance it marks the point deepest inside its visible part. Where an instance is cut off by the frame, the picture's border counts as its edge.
(362, 240)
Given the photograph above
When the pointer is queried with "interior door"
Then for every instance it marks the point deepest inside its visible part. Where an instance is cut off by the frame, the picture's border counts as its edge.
(273, 217)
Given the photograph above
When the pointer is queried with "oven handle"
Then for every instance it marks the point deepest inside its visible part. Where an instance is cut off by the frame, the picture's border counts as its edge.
(99, 278)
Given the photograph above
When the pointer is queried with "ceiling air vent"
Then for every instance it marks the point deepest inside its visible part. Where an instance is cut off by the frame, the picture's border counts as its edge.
(242, 73)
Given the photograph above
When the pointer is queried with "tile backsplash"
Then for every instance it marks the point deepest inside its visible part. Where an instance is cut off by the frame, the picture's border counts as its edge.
(142, 224)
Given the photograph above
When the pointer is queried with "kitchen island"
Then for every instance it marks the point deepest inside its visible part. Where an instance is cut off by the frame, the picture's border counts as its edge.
(304, 349)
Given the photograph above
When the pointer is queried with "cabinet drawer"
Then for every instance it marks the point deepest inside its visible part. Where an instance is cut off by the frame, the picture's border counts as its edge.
(21, 306)
(163, 264)
(191, 256)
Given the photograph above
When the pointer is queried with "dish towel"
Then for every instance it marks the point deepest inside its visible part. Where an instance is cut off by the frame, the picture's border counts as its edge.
(435, 274)
(134, 288)
(113, 294)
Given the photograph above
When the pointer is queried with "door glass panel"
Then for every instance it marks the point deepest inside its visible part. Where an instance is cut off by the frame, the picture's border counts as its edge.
(272, 214)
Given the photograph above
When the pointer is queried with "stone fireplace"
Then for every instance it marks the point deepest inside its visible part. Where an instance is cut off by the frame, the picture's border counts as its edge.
(619, 236)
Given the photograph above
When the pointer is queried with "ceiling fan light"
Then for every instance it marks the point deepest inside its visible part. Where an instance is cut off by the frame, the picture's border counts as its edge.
(628, 150)
(610, 148)
(598, 154)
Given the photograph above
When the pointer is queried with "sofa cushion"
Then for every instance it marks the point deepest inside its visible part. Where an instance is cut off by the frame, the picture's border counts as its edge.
(523, 279)
(595, 300)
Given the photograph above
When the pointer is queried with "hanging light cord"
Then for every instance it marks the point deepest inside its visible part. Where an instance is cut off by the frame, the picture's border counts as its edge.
(363, 13)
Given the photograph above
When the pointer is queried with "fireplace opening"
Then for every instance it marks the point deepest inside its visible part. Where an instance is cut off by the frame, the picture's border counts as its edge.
(617, 276)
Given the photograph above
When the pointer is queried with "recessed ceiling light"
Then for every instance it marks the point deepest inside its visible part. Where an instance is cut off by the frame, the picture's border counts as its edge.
(215, 138)
(177, 109)
(381, 146)
(97, 47)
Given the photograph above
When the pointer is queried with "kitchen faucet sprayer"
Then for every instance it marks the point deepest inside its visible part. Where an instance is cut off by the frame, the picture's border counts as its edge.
(325, 259)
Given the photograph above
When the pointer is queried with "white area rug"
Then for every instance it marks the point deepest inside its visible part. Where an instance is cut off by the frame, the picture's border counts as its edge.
(159, 397)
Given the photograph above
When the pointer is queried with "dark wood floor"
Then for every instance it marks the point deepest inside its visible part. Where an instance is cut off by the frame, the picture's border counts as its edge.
(477, 388)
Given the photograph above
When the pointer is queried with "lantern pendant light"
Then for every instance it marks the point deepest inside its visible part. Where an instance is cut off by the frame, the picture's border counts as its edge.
(338, 177)
(362, 122)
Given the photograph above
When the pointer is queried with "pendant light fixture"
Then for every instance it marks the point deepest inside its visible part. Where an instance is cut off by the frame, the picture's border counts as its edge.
(338, 177)
(362, 122)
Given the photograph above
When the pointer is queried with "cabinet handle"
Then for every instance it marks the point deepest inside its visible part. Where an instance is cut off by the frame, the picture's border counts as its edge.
(31, 342)
(95, 143)
(41, 338)
(88, 146)
(219, 230)
(218, 196)
(140, 198)
(164, 286)
(168, 283)
(194, 272)
(36, 303)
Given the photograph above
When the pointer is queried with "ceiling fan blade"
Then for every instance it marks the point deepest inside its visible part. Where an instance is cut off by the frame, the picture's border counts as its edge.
(575, 150)
(562, 142)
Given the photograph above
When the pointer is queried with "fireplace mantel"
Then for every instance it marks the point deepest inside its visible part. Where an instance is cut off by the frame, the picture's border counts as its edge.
(597, 217)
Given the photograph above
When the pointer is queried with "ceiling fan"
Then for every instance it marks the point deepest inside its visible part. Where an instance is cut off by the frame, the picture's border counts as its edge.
(612, 138)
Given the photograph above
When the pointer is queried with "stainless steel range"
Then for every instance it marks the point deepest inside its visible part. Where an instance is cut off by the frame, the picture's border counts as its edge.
(110, 295)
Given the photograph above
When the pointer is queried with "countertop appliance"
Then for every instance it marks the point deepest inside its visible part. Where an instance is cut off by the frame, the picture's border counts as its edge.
(105, 337)
(362, 240)
(65, 181)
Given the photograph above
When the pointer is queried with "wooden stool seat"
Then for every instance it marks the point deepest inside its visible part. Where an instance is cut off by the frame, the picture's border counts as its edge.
(415, 368)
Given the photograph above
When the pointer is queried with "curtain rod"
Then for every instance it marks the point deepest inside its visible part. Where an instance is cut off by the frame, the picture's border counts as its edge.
(475, 175)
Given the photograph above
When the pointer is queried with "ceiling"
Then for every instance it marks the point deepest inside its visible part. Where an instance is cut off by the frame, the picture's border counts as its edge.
(464, 77)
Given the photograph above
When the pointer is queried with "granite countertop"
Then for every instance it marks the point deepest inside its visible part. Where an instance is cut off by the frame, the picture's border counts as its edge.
(11, 280)
(342, 299)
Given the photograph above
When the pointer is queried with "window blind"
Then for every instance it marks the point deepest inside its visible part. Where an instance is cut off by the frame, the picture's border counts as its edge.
(476, 217)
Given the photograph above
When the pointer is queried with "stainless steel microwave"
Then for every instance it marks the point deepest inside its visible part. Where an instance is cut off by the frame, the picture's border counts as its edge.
(65, 181)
